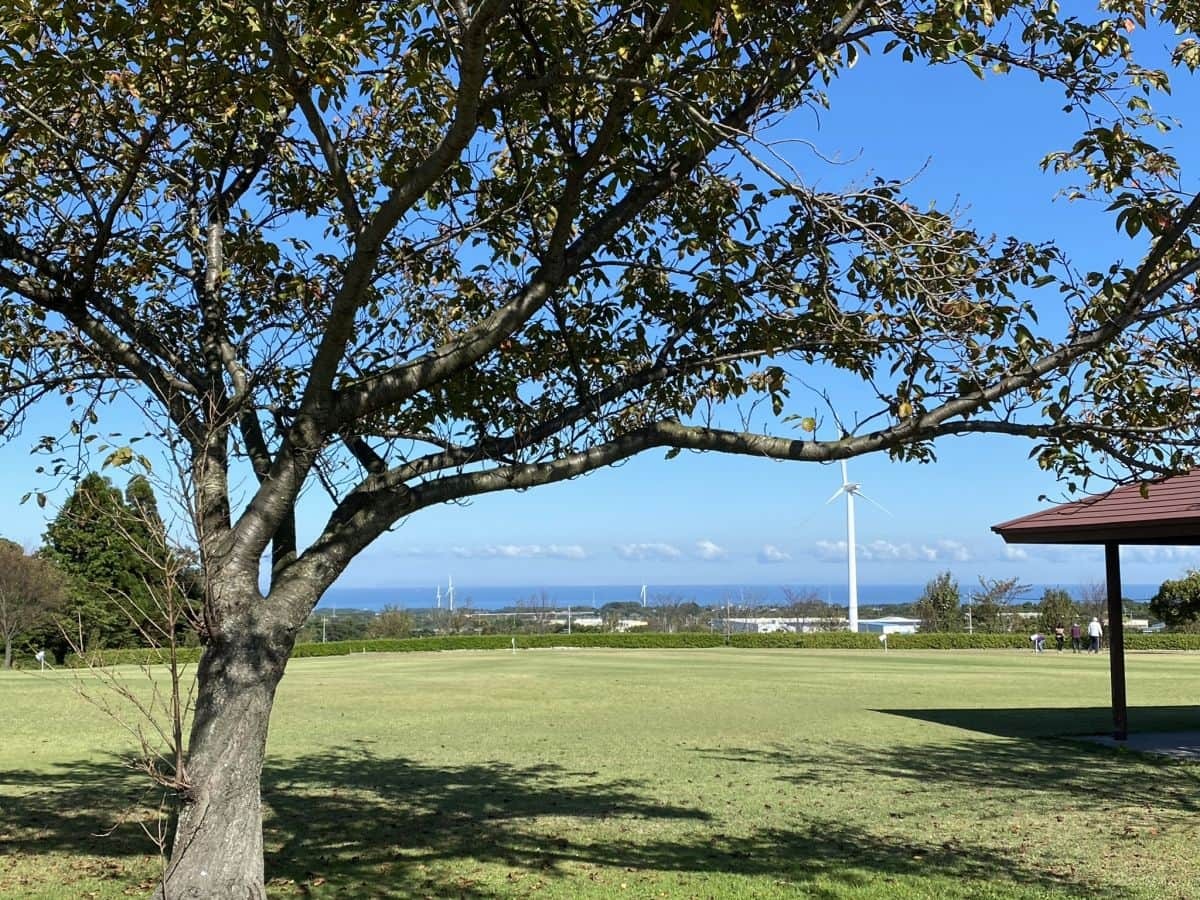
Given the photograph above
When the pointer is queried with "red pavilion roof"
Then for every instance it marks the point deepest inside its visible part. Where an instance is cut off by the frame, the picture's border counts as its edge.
(1168, 514)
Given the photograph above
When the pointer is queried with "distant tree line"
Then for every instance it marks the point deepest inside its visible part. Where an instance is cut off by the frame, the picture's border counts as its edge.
(1001, 605)
(100, 577)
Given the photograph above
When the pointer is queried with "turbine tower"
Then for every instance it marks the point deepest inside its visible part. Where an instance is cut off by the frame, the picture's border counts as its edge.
(851, 489)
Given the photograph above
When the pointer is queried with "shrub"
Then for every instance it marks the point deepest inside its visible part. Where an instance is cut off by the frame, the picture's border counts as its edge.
(958, 641)
(1175, 641)
(136, 656)
(822, 640)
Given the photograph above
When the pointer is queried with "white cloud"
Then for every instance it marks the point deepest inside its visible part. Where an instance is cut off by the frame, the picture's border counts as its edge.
(1066, 554)
(953, 551)
(830, 551)
(888, 551)
(521, 551)
(709, 551)
(421, 552)
(1180, 555)
(648, 551)
(772, 554)
(883, 550)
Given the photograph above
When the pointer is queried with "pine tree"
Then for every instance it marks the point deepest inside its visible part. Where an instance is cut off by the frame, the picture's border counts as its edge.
(105, 548)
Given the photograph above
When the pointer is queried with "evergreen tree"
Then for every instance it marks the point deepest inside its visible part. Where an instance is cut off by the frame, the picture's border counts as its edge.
(1178, 602)
(1055, 608)
(991, 601)
(105, 548)
(939, 607)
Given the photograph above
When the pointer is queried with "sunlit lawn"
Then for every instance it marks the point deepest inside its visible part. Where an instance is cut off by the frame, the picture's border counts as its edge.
(708, 773)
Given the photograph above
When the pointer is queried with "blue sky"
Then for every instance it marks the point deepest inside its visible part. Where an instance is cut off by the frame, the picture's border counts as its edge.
(726, 520)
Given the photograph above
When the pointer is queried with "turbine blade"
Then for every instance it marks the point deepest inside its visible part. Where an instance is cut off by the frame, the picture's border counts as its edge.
(836, 494)
(845, 477)
(874, 502)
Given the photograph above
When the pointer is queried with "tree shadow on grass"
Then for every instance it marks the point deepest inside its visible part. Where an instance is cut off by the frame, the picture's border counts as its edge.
(1054, 721)
(350, 822)
(1034, 756)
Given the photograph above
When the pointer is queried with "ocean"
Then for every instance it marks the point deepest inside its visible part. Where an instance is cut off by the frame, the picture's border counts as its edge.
(498, 597)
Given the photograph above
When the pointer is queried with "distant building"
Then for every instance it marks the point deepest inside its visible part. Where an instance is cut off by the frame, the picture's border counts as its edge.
(775, 624)
(583, 620)
(889, 625)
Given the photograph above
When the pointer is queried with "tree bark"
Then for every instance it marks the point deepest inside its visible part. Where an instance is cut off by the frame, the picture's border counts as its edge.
(218, 846)
(7, 653)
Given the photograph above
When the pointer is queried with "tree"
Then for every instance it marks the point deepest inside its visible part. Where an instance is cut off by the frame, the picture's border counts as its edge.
(990, 603)
(409, 253)
(1093, 601)
(31, 591)
(821, 615)
(392, 622)
(938, 607)
(108, 550)
(1177, 602)
(1055, 608)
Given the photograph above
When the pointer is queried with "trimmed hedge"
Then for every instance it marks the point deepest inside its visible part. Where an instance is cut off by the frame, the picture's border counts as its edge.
(827, 640)
(1162, 641)
(945, 641)
(821, 640)
(637, 641)
(137, 656)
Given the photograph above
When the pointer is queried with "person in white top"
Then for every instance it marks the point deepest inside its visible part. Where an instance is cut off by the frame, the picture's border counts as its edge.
(1094, 632)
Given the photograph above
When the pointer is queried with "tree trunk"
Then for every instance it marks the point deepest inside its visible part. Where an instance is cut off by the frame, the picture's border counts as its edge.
(7, 652)
(218, 846)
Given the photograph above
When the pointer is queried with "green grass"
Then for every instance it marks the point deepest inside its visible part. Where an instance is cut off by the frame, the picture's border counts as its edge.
(686, 773)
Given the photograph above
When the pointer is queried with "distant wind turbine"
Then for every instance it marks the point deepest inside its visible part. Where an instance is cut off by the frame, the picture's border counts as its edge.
(851, 489)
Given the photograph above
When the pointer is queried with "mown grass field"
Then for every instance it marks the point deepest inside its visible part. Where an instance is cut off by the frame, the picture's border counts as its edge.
(601, 773)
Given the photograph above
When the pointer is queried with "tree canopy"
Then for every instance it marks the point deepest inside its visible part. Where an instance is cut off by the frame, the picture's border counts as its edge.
(407, 253)
(108, 549)
(939, 607)
(1177, 602)
(31, 592)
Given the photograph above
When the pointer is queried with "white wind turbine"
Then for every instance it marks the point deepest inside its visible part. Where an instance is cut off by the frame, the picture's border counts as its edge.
(851, 489)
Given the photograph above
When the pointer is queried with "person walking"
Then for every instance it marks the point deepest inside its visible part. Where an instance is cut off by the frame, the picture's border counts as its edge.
(1060, 635)
(1076, 637)
(1095, 632)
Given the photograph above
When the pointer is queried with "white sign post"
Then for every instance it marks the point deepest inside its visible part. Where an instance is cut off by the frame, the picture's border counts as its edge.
(883, 640)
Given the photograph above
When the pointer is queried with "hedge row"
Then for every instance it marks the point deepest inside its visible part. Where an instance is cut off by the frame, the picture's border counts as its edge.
(637, 641)
(939, 641)
(137, 656)
(821, 640)
(830, 640)
(1162, 642)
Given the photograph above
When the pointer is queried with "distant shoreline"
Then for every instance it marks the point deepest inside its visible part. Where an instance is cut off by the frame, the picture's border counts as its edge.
(499, 597)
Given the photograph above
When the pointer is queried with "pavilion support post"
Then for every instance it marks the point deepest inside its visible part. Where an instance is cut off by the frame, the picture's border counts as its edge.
(1116, 639)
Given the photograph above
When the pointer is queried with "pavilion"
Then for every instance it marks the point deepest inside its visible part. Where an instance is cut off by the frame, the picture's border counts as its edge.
(1166, 511)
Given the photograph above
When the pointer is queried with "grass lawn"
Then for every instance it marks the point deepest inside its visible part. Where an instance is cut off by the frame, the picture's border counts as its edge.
(705, 773)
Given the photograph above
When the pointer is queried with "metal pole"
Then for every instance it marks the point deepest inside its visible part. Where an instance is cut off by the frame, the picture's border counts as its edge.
(1116, 640)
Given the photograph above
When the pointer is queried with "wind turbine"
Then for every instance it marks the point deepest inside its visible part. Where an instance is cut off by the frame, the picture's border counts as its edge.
(851, 489)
